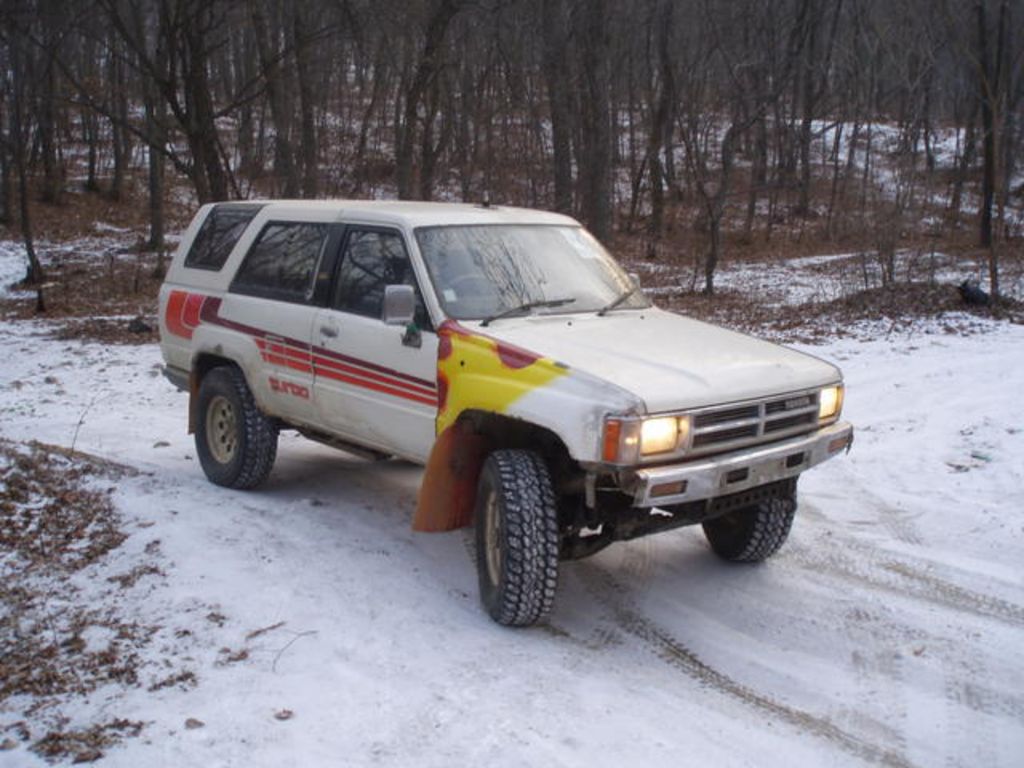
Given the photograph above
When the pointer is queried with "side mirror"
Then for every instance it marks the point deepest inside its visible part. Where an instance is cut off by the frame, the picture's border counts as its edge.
(399, 304)
(635, 277)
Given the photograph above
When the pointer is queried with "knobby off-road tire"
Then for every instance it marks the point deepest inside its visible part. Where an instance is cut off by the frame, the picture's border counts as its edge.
(516, 520)
(752, 534)
(236, 442)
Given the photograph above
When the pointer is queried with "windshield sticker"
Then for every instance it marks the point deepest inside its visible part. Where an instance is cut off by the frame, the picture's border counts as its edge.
(575, 239)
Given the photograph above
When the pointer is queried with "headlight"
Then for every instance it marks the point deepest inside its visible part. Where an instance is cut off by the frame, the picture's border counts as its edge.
(626, 441)
(659, 435)
(830, 402)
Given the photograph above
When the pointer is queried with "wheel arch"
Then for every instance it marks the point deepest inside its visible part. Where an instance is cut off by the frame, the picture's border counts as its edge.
(202, 364)
(448, 493)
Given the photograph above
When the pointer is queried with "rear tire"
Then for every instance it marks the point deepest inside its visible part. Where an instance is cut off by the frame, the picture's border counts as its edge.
(516, 520)
(236, 442)
(752, 534)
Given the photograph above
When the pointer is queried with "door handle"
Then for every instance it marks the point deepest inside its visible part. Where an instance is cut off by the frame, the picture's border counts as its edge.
(330, 331)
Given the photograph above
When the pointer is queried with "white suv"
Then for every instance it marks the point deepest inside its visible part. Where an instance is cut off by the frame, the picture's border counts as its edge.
(552, 405)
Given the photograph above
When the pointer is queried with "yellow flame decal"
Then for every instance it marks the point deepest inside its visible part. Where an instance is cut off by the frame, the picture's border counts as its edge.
(476, 371)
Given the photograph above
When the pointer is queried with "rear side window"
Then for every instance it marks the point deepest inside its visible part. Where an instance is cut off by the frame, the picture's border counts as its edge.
(282, 261)
(217, 236)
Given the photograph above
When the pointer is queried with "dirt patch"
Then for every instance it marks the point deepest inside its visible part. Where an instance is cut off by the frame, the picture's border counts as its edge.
(135, 330)
(86, 746)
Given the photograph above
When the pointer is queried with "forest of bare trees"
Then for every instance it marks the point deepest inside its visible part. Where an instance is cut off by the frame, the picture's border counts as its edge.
(642, 116)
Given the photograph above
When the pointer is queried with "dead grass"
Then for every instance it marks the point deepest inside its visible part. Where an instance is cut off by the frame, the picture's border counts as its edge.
(899, 304)
(56, 520)
(78, 211)
(107, 295)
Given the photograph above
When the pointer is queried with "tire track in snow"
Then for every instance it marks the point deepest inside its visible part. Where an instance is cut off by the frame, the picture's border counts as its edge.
(903, 577)
(610, 594)
(967, 715)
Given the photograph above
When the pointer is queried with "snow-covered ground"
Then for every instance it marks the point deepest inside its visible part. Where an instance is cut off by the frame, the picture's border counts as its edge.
(887, 631)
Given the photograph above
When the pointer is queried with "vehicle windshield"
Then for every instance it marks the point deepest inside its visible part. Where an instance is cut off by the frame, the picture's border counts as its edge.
(481, 271)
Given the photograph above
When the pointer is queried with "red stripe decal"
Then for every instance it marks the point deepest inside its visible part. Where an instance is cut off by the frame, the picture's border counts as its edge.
(285, 362)
(321, 363)
(190, 313)
(282, 350)
(172, 316)
(373, 367)
(338, 376)
(186, 311)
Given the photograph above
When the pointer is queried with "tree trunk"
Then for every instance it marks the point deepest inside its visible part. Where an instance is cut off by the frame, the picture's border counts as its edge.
(595, 158)
(155, 116)
(303, 69)
(118, 124)
(426, 71)
(46, 111)
(6, 184)
(716, 208)
(987, 87)
(20, 74)
(556, 76)
(661, 117)
(245, 54)
(285, 172)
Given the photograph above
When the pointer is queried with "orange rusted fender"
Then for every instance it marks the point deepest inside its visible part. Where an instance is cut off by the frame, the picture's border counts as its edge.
(448, 492)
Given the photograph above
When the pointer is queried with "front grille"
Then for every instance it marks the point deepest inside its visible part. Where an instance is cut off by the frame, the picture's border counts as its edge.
(724, 436)
(778, 425)
(711, 418)
(736, 426)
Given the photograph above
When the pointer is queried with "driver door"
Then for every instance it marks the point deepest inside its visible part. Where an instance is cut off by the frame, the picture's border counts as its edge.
(375, 383)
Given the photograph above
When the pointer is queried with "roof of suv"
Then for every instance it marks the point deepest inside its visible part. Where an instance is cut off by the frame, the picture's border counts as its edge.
(417, 214)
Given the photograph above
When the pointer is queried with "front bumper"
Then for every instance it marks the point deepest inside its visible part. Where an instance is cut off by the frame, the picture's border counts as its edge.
(738, 471)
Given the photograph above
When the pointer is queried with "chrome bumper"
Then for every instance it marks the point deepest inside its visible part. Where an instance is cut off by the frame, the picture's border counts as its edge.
(740, 470)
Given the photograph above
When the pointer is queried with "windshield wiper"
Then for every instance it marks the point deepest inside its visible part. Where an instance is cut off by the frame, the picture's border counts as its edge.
(617, 301)
(527, 307)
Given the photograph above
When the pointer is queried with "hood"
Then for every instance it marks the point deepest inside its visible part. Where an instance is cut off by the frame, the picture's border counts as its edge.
(669, 361)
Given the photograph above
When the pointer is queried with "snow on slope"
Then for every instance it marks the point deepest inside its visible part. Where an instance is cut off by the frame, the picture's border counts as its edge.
(887, 631)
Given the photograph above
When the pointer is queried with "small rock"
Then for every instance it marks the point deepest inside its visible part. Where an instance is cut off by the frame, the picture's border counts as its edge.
(89, 755)
(51, 380)
(138, 325)
(161, 444)
(192, 723)
(284, 714)
(7, 745)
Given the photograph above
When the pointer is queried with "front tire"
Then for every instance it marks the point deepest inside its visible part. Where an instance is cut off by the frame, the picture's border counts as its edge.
(752, 534)
(236, 442)
(516, 520)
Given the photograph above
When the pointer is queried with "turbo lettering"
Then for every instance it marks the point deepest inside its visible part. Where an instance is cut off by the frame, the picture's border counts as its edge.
(289, 388)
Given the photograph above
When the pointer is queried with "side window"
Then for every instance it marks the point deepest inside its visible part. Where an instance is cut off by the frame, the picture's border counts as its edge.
(217, 236)
(372, 260)
(281, 263)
